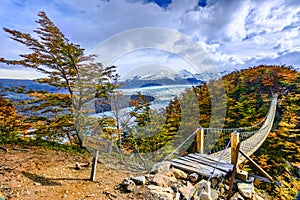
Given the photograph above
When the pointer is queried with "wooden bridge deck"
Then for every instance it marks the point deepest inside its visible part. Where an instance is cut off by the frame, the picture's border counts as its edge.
(204, 164)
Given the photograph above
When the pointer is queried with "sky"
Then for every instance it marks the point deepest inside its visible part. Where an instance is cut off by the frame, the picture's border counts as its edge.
(233, 34)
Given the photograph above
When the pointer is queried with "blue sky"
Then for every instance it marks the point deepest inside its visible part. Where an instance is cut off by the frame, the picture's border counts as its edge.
(235, 34)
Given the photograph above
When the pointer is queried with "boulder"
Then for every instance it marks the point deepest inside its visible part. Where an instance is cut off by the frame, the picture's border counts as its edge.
(164, 181)
(193, 177)
(237, 196)
(140, 180)
(205, 196)
(214, 194)
(246, 189)
(179, 173)
(161, 167)
(214, 182)
(161, 193)
(177, 196)
(128, 185)
(203, 184)
(169, 174)
(187, 190)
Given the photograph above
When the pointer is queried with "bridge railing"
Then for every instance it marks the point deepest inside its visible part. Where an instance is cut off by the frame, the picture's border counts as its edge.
(214, 140)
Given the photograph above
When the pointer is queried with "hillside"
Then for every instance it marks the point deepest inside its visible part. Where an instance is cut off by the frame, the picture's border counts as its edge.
(39, 173)
(248, 93)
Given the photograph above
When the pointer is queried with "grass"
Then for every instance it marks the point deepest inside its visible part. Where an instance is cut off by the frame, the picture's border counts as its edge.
(23, 141)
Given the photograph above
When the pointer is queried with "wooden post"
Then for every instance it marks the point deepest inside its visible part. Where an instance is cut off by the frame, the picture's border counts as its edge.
(258, 167)
(235, 139)
(200, 140)
(94, 165)
(233, 171)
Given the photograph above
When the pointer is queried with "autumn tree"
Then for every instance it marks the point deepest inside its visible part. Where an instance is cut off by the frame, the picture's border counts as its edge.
(11, 123)
(68, 68)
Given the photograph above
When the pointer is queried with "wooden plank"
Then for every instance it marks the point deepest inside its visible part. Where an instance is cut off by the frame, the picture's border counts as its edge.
(192, 169)
(210, 163)
(226, 157)
(212, 158)
(97, 144)
(198, 168)
(189, 169)
(207, 160)
(196, 164)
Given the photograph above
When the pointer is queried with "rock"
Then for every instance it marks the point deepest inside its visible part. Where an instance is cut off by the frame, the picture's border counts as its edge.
(257, 197)
(149, 177)
(179, 173)
(37, 183)
(222, 188)
(177, 196)
(164, 181)
(140, 180)
(169, 174)
(161, 167)
(92, 195)
(214, 194)
(204, 188)
(175, 187)
(237, 196)
(128, 185)
(193, 177)
(214, 182)
(77, 166)
(187, 190)
(226, 187)
(203, 184)
(161, 193)
(246, 189)
(163, 189)
(205, 196)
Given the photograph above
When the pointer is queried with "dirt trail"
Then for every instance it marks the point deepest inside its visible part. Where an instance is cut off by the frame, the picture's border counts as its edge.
(49, 174)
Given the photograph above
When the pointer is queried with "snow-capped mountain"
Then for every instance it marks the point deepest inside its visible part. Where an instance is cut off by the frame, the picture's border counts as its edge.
(151, 72)
(157, 75)
(206, 76)
(160, 75)
(186, 74)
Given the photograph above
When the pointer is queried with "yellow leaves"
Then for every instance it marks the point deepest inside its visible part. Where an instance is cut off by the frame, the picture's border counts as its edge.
(35, 94)
(10, 121)
(285, 125)
(272, 134)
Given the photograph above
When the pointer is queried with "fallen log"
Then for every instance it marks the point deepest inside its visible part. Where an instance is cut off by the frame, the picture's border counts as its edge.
(4, 149)
(20, 149)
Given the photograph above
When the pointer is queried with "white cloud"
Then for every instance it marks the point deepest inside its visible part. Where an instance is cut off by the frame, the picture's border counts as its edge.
(19, 74)
(234, 33)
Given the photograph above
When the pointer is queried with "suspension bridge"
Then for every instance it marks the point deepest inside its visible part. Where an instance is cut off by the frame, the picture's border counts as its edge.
(215, 160)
